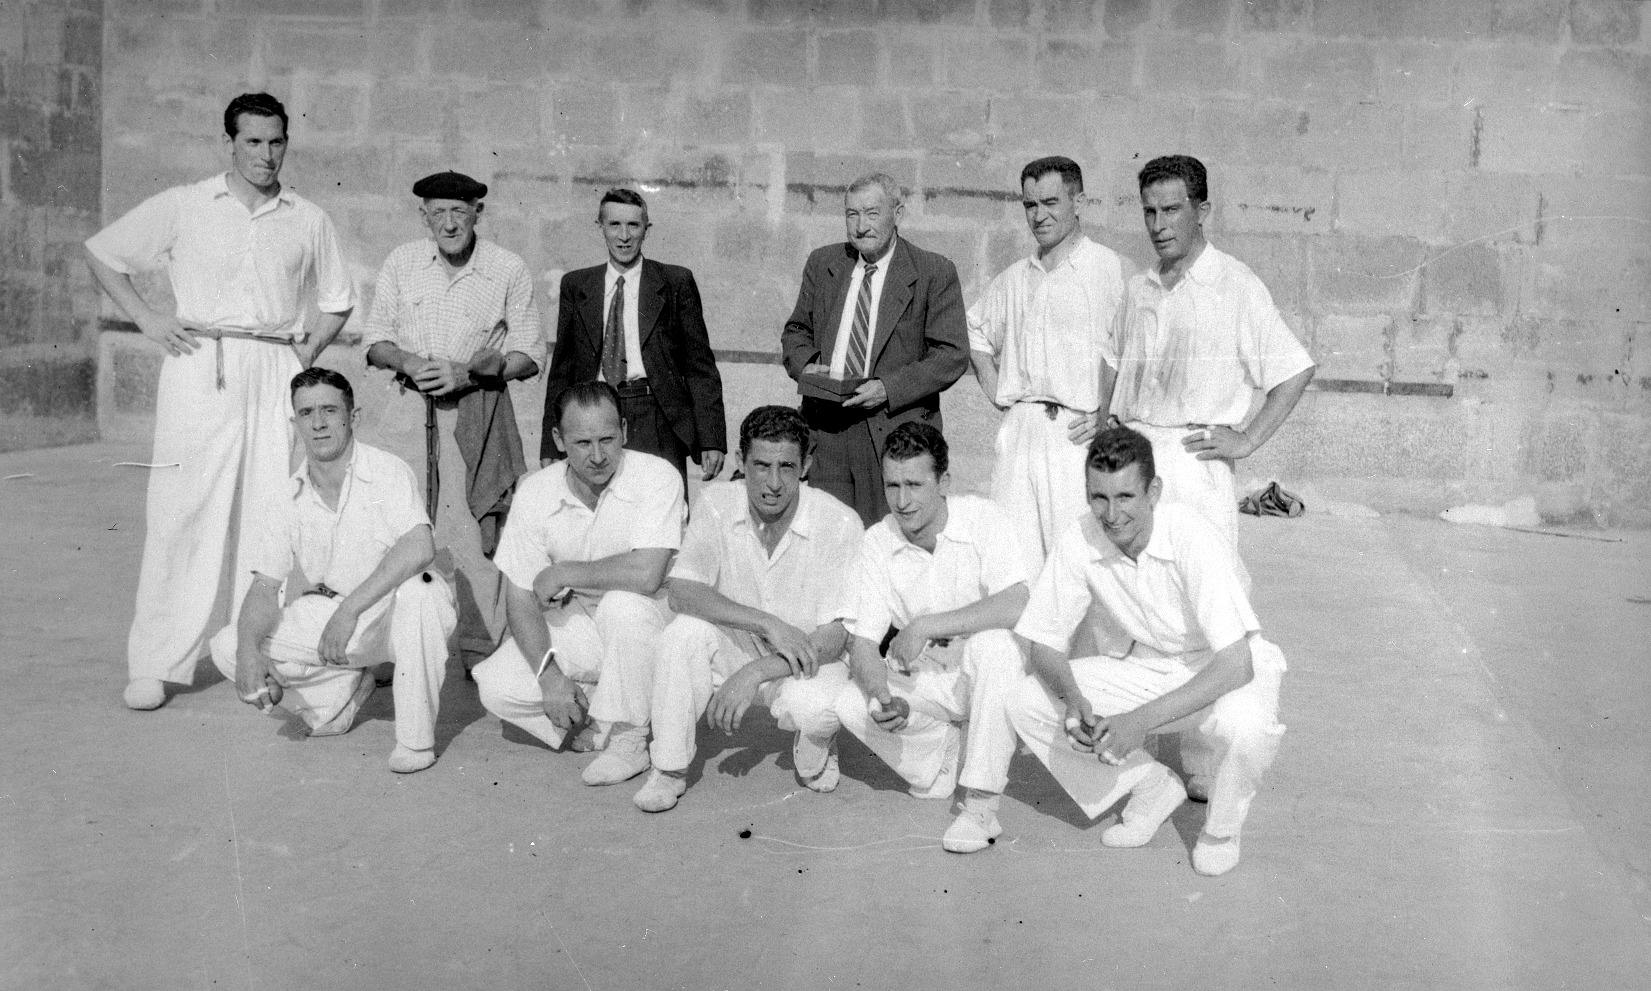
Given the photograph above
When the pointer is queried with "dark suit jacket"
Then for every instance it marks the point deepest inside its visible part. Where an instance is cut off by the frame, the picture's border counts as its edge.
(922, 342)
(676, 351)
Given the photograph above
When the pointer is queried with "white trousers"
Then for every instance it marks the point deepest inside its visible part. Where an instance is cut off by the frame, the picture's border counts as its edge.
(1206, 486)
(1241, 728)
(394, 420)
(610, 647)
(1038, 478)
(694, 658)
(409, 628)
(229, 442)
(976, 680)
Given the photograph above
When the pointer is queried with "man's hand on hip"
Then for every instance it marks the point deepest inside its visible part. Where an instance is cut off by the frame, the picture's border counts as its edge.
(1210, 443)
(869, 395)
(1083, 427)
(168, 333)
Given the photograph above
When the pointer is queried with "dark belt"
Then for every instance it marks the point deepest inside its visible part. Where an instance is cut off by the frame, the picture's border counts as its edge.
(1050, 409)
(634, 389)
(322, 589)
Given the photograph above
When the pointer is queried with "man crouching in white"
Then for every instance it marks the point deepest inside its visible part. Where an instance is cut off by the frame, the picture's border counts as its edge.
(352, 543)
(1171, 581)
(584, 555)
(941, 570)
(758, 590)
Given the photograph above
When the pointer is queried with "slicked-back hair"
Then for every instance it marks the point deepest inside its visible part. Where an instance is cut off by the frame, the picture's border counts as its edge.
(914, 437)
(1189, 170)
(257, 104)
(587, 394)
(774, 423)
(1069, 171)
(1116, 448)
(628, 197)
(316, 375)
(882, 180)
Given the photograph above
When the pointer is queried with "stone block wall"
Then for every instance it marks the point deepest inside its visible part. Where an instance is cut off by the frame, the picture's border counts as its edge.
(51, 136)
(1438, 194)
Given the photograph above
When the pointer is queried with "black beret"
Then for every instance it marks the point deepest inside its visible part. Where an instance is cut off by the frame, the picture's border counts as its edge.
(449, 186)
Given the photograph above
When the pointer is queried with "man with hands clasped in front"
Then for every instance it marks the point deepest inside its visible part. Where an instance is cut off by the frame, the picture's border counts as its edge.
(758, 589)
(939, 570)
(1198, 663)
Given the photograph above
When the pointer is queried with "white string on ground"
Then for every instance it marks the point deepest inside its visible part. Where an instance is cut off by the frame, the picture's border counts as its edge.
(565, 951)
(240, 885)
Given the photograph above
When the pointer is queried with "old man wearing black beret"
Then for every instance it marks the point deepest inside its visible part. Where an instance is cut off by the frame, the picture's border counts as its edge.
(453, 321)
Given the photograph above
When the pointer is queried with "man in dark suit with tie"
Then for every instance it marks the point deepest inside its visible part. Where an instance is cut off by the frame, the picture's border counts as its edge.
(636, 324)
(877, 308)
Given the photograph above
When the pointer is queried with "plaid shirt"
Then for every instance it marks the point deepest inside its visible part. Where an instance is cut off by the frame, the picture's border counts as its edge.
(489, 304)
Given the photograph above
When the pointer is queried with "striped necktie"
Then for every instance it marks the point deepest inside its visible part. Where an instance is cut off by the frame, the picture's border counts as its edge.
(859, 338)
(613, 337)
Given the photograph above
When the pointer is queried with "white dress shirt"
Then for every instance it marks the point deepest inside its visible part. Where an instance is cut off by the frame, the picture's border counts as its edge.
(633, 335)
(845, 326)
(804, 582)
(1047, 329)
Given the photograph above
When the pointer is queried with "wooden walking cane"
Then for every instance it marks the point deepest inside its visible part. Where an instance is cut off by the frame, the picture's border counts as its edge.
(432, 459)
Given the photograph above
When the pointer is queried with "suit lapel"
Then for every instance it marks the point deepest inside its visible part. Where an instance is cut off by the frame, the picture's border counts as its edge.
(898, 289)
(590, 305)
(838, 270)
(650, 302)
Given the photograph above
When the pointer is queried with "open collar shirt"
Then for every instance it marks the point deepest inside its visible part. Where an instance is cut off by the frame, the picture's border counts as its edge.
(896, 580)
(1047, 328)
(804, 582)
(1198, 353)
(641, 507)
(232, 268)
(845, 325)
(378, 504)
(486, 304)
(1181, 596)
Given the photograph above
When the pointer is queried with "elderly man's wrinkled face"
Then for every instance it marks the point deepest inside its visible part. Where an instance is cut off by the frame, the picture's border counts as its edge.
(871, 218)
(452, 223)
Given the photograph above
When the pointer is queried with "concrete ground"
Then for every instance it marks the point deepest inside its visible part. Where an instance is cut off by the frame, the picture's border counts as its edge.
(1459, 803)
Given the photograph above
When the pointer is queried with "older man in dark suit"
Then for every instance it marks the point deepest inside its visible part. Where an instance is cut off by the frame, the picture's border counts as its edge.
(879, 309)
(636, 324)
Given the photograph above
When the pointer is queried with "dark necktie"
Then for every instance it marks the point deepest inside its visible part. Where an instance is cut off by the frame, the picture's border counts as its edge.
(613, 337)
(859, 338)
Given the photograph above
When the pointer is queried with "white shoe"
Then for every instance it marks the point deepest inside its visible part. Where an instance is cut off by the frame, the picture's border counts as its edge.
(1214, 857)
(626, 756)
(406, 760)
(805, 754)
(972, 831)
(660, 792)
(144, 694)
(946, 782)
(1150, 802)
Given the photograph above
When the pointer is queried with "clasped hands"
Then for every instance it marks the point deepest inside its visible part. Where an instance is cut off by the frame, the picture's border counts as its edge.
(1112, 739)
(440, 377)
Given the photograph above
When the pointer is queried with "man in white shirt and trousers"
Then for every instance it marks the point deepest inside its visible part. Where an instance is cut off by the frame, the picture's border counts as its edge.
(1198, 662)
(759, 589)
(240, 249)
(349, 542)
(584, 556)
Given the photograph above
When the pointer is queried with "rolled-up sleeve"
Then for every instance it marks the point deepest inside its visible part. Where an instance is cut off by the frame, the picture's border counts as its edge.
(1060, 596)
(522, 330)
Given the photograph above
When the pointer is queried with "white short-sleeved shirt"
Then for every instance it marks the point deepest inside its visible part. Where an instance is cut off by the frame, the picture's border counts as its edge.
(804, 582)
(1048, 329)
(232, 268)
(642, 507)
(896, 580)
(1199, 352)
(379, 503)
(487, 304)
(1181, 596)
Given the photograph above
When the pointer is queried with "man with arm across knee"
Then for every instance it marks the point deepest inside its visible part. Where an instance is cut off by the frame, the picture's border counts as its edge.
(758, 590)
(1162, 573)
(939, 570)
(584, 556)
(351, 542)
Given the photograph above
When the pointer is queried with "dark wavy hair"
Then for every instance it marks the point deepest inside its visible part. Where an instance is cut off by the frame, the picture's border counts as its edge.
(1116, 448)
(914, 437)
(1189, 170)
(317, 375)
(256, 104)
(1069, 171)
(777, 423)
